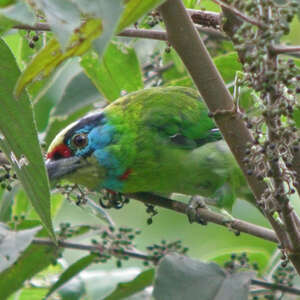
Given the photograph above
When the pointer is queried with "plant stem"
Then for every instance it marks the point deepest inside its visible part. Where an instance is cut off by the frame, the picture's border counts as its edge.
(132, 32)
(274, 286)
(77, 246)
(208, 215)
(186, 41)
(96, 248)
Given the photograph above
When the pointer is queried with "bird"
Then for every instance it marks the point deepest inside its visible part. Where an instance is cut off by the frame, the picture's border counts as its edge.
(159, 140)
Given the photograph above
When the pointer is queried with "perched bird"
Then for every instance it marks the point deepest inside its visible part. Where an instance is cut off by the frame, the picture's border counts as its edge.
(158, 140)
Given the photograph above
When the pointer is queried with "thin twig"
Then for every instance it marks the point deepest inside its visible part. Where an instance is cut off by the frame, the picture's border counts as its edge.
(132, 32)
(210, 85)
(35, 27)
(145, 33)
(274, 286)
(284, 49)
(98, 248)
(205, 18)
(213, 33)
(208, 215)
(158, 71)
(91, 248)
(288, 232)
(240, 14)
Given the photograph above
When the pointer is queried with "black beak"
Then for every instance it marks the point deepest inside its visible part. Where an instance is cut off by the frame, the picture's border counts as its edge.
(61, 167)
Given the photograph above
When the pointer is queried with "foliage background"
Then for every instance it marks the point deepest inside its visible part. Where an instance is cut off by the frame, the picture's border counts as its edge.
(69, 94)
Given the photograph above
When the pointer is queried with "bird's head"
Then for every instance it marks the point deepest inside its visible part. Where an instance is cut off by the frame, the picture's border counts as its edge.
(71, 153)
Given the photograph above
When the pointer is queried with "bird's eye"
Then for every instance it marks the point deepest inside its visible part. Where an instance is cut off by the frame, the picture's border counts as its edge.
(80, 140)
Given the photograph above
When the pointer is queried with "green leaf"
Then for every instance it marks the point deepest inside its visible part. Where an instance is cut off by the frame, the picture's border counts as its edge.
(177, 70)
(14, 14)
(209, 6)
(183, 81)
(6, 203)
(13, 243)
(261, 258)
(51, 93)
(34, 259)
(56, 203)
(190, 3)
(19, 45)
(21, 143)
(134, 10)
(52, 55)
(108, 278)
(5, 24)
(118, 71)
(72, 271)
(73, 290)
(139, 283)
(180, 277)
(4, 3)
(296, 116)
(78, 93)
(63, 17)
(106, 10)
(20, 12)
(32, 293)
(227, 65)
(21, 205)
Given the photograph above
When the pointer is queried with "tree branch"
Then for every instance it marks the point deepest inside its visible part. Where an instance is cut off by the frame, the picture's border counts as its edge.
(145, 34)
(98, 249)
(284, 49)
(274, 286)
(132, 32)
(288, 232)
(210, 84)
(205, 18)
(208, 215)
(296, 168)
(240, 14)
(181, 32)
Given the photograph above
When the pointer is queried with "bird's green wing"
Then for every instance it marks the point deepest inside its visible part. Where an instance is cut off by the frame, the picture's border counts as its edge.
(180, 117)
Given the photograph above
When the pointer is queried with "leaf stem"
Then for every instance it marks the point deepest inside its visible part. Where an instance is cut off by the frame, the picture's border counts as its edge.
(208, 215)
(92, 248)
(274, 286)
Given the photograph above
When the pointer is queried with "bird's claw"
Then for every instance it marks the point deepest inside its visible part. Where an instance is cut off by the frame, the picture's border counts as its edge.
(112, 199)
(191, 211)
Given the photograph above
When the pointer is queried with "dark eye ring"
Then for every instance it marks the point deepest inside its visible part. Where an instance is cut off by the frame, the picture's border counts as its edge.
(80, 140)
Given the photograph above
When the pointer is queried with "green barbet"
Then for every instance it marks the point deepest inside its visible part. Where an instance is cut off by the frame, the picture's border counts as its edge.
(158, 140)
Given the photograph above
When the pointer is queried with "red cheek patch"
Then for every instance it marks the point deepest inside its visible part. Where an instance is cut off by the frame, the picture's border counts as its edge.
(60, 151)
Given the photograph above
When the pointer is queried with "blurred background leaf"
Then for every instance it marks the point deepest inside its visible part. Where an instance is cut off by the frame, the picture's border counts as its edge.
(20, 142)
(117, 72)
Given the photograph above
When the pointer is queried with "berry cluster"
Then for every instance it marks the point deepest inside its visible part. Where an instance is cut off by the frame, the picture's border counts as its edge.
(238, 262)
(115, 242)
(159, 251)
(7, 177)
(275, 85)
